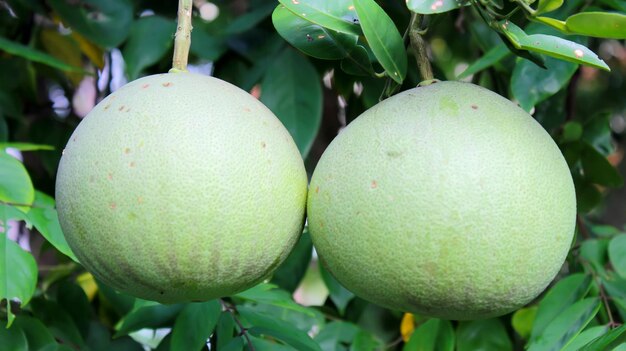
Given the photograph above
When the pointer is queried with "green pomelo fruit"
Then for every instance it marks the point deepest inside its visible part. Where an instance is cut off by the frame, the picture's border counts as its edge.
(446, 200)
(181, 187)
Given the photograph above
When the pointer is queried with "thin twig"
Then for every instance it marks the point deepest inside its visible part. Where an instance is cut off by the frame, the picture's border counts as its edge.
(243, 331)
(605, 301)
(582, 228)
(419, 47)
(182, 39)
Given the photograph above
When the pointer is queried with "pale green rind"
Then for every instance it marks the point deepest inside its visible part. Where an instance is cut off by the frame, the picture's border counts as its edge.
(181, 187)
(446, 200)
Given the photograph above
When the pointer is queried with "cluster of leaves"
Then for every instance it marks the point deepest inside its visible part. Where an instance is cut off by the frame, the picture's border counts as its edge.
(49, 303)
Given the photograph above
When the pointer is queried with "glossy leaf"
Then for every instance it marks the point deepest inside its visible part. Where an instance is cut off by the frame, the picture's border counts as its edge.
(18, 269)
(106, 23)
(194, 325)
(491, 57)
(64, 48)
(552, 46)
(587, 195)
(34, 55)
(427, 7)
(365, 341)
(523, 320)
(15, 185)
(292, 90)
(310, 38)
(566, 326)
(235, 344)
(289, 274)
(485, 334)
(597, 168)
(548, 6)
(563, 294)
(554, 23)
(336, 15)
(249, 20)
(270, 344)
(594, 251)
(358, 63)
(224, 330)
(383, 38)
(147, 314)
(269, 294)
(206, 44)
(339, 295)
(44, 217)
(58, 321)
(26, 146)
(263, 324)
(12, 339)
(586, 337)
(37, 334)
(608, 341)
(617, 254)
(140, 53)
(598, 24)
(433, 335)
(336, 334)
(531, 84)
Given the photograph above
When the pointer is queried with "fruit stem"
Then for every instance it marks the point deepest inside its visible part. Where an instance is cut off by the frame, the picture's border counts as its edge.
(419, 47)
(182, 39)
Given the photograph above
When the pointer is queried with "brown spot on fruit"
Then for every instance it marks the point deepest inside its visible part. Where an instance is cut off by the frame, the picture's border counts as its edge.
(168, 84)
(132, 164)
(127, 150)
(374, 184)
(107, 107)
(475, 107)
(263, 145)
(145, 86)
(121, 108)
(317, 190)
(128, 109)
(139, 200)
(112, 205)
(110, 176)
(247, 109)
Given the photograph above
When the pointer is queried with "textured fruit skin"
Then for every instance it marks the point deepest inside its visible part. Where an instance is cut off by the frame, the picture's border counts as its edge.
(181, 187)
(446, 200)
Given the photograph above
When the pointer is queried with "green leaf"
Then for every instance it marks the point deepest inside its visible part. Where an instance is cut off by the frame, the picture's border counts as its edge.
(336, 15)
(15, 184)
(552, 46)
(427, 7)
(336, 334)
(598, 24)
(224, 330)
(43, 216)
(310, 38)
(365, 341)
(358, 63)
(608, 341)
(566, 326)
(523, 320)
(618, 5)
(139, 52)
(485, 335)
(554, 23)
(617, 254)
(146, 314)
(269, 294)
(36, 332)
(340, 296)
(563, 294)
(585, 337)
(531, 84)
(34, 55)
(268, 325)
(26, 146)
(73, 300)
(235, 344)
(205, 43)
(491, 57)
(548, 5)
(105, 23)
(58, 321)
(261, 344)
(587, 195)
(18, 269)
(594, 251)
(194, 325)
(289, 274)
(572, 131)
(12, 339)
(292, 90)
(597, 168)
(434, 335)
(56, 347)
(383, 38)
(249, 20)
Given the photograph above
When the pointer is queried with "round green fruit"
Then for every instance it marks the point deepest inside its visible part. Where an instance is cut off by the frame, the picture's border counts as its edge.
(181, 187)
(446, 200)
